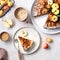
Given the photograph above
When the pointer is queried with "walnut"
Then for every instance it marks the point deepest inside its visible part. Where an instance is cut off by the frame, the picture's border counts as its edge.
(44, 11)
(57, 24)
(47, 6)
(48, 24)
(39, 13)
(50, 17)
(53, 24)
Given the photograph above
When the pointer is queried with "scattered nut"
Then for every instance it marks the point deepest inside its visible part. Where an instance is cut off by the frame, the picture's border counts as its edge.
(49, 40)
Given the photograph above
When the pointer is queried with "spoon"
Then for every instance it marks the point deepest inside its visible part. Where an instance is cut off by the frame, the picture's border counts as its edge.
(19, 53)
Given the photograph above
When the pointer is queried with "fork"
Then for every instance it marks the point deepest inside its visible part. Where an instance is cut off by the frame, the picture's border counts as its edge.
(19, 53)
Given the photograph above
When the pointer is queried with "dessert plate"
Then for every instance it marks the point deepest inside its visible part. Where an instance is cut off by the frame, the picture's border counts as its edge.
(32, 35)
(39, 22)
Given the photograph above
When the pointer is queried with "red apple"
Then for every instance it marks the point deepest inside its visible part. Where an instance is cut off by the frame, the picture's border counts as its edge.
(45, 46)
(5, 7)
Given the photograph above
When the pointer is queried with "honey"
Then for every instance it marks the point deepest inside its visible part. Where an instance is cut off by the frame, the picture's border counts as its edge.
(4, 36)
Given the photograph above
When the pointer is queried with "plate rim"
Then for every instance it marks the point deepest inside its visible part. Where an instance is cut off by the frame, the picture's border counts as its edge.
(38, 45)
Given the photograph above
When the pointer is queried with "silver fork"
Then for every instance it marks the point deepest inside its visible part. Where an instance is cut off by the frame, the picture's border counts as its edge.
(19, 53)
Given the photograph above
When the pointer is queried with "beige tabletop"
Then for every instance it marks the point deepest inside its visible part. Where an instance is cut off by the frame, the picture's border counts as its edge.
(51, 54)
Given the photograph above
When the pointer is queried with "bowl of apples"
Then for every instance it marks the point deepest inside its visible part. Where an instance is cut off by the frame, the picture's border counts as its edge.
(5, 6)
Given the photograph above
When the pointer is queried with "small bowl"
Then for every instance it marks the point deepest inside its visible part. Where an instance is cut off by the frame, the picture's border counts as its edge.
(21, 14)
(4, 36)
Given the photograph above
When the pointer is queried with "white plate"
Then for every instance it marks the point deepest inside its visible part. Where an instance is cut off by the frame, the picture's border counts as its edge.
(32, 35)
(40, 21)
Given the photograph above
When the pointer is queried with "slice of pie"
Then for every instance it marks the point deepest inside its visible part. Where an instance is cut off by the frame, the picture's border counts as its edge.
(26, 43)
(41, 7)
(52, 22)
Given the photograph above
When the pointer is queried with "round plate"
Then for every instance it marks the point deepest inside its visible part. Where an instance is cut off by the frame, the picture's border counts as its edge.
(39, 22)
(32, 35)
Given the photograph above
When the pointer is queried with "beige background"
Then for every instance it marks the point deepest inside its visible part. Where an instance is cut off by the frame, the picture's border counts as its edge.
(51, 54)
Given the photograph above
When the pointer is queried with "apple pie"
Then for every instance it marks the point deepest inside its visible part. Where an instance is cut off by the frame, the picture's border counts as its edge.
(26, 43)
(50, 7)
(41, 8)
(52, 22)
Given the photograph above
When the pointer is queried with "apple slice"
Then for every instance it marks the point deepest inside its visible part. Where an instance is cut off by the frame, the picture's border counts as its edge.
(9, 21)
(6, 24)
